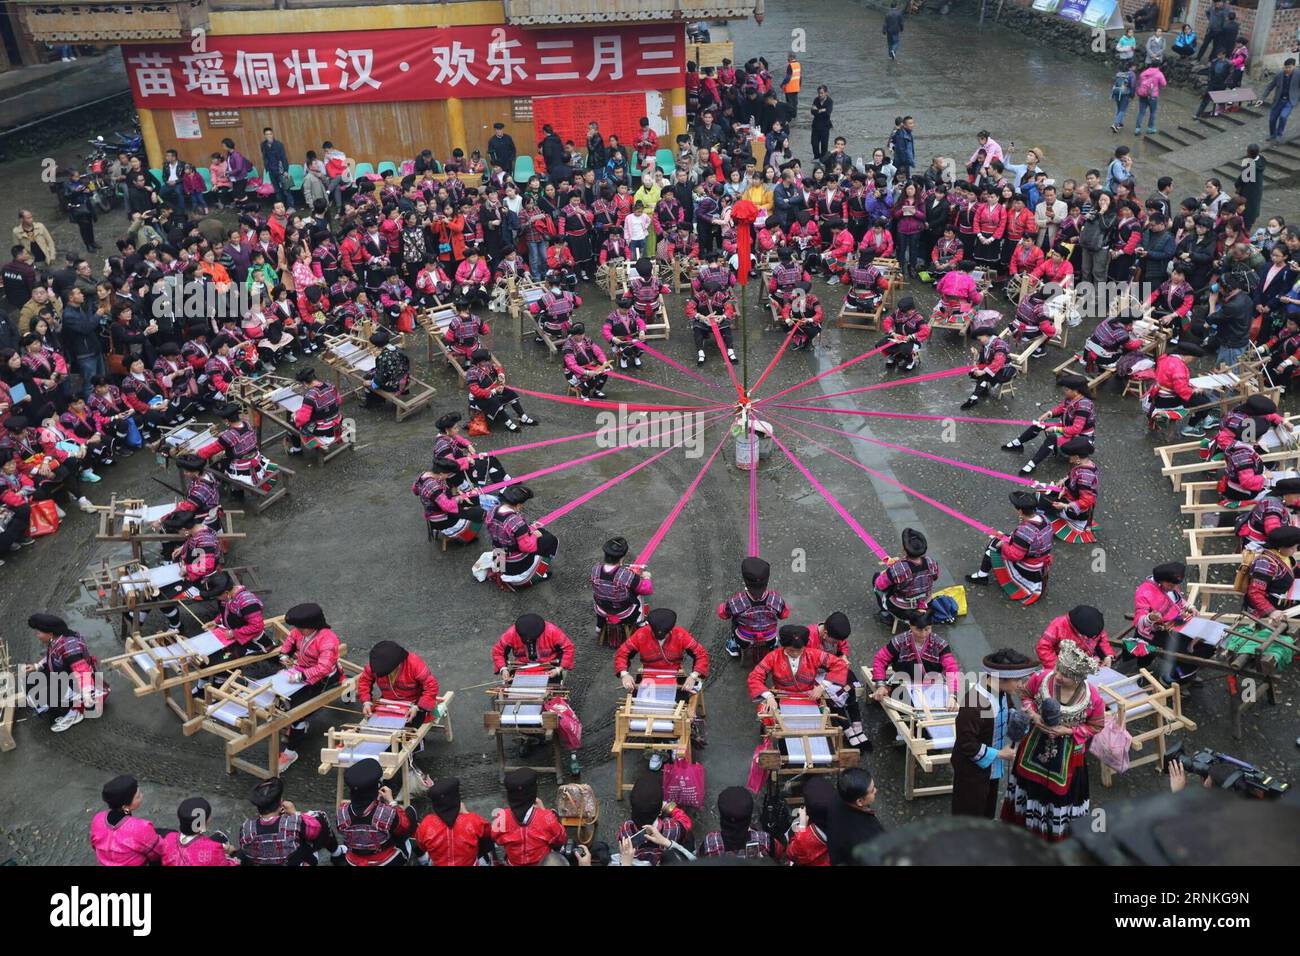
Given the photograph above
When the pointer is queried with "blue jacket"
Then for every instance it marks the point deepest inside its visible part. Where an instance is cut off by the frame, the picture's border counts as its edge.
(275, 160)
(904, 148)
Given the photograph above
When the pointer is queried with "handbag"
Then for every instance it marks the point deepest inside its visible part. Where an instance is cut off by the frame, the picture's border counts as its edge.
(406, 321)
(1111, 744)
(684, 784)
(44, 518)
(478, 425)
(133, 437)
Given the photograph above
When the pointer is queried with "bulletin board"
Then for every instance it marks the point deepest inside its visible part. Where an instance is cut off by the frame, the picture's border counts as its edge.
(618, 113)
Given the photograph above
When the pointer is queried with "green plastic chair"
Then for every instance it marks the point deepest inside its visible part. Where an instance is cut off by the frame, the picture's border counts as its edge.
(157, 174)
(664, 160)
(524, 169)
(206, 175)
(252, 174)
(364, 169)
(387, 166)
(297, 173)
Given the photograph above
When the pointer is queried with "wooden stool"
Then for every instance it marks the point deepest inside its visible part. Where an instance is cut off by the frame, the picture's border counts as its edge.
(613, 634)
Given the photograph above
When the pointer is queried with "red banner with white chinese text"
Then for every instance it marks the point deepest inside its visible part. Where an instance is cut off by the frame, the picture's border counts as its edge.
(378, 66)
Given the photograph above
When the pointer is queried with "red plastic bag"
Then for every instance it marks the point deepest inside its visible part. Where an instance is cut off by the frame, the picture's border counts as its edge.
(569, 726)
(406, 320)
(44, 519)
(757, 775)
(684, 784)
(478, 425)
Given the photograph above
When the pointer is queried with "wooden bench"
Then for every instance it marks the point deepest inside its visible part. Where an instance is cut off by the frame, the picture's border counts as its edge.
(1202, 558)
(1177, 474)
(352, 358)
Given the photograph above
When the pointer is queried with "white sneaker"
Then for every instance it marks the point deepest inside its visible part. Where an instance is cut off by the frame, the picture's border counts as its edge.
(699, 357)
(656, 761)
(731, 354)
(622, 363)
(287, 757)
(60, 512)
(84, 504)
(68, 721)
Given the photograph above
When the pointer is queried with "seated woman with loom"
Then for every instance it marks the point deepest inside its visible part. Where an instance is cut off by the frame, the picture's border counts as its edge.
(449, 513)
(918, 656)
(528, 548)
(310, 656)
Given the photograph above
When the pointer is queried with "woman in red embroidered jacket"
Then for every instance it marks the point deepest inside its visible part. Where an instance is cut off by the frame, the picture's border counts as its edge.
(117, 837)
(660, 825)
(140, 391)
(1076, 417)
(472, 278)
(525, 829)
(47, 368)
(877, 241)
(794, 668)
(373, 828)
(1128, 236)
(662, 645)
(755, 611)
(451, 835)
(1086, 626)
(69, 669)
(16, 490)
(46, 470)
(176, 380)
(1056, 269)
(808, 841)
(399, 676)
(918, 655)
(990, 226)
(189, 844)
(310, 655)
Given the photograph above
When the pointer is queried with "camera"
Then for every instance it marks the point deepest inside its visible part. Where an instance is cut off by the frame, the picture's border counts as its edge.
(1228, 773)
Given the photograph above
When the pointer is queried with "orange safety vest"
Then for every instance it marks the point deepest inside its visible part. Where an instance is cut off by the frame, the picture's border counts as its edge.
(796, 70)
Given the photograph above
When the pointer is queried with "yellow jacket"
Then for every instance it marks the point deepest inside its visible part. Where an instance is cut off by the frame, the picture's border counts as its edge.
(761, 195)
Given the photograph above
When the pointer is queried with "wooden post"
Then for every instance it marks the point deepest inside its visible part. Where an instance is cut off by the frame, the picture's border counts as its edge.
(456, 124)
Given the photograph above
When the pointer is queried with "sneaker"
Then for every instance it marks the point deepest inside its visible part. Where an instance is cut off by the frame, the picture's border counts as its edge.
(733, 649)
(84, 504)
(910, 366)
(622, 363)
(1151, 131)
(598, 394)
(699, 357)
(1014, 445)
(106, 461)
(25, 542)
(575, 768)
(1115, 127)
(90, 476)
(978, 577)
(528, 420)
(287, 758)
(60, 512)
(1137, 131)
(970, 402)
(636, 362)
(656, 762)
(1028, 468)
(890, 362)
(295, 449)
(1038, 352)
(585, 397)
(422, 779)
(1192, 431)
(512, 425)
(731, 354)
(1210, 421)
(68, 721)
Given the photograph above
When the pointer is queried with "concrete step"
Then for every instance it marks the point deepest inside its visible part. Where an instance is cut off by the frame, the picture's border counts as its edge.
(1228, 173)
(1286, 165)
(1290, 151)
(1218, 124)
(1192, 131)
(1171, 138)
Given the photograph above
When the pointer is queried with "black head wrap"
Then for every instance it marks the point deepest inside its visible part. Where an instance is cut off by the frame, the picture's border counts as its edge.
(445, 797)
(309, 616)
(735, 810)
(521, 792)
(914, 543)
(818, 798)
(386, 657)
(755, 572)
(646, 800)
(1087, 620)
(837, 626)
(363, 780)
(793, 635)
(49, 624)
(615, 549)
(662, 620)
(193, 815)
(120, 791)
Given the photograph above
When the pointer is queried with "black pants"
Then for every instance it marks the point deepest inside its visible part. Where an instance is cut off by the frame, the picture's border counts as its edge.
(483, 471)
(703, 333)
(86, 226)
(1046, 449)
(15, 529)
(492, 405)
(821, 139)
(298, 731)
(792, 101)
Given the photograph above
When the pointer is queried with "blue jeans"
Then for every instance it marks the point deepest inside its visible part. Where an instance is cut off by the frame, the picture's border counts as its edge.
(1121, 107)
(1229, 357)
(89, 366)
(636, 249)
(537, 259)
(891, 42)
(1277, 118)
(1146, 103)
(174, 196)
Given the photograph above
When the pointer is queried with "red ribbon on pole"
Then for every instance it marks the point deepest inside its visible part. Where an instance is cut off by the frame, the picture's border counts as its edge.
(744, 214)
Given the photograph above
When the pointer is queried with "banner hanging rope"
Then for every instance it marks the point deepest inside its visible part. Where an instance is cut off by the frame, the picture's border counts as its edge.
(830, 371)
(649, 350)
(872, 413)
(868, 540)
(922, 454)
(657, 538)
(951, 512)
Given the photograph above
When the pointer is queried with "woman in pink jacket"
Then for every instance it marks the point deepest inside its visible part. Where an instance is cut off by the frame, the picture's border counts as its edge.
(118, 838)
(189, 844)
(1150, 82)
(310, 656)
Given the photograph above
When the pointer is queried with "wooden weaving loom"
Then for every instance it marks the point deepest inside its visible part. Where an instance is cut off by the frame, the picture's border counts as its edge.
(11, 697)
(168, 661)
(128, 519)
(925, 727)
(122, 589)
(652, 720)
(661, 329)
(385, 737)
(245, 712)
(353, 358)
(517, 712)
(1135, 698)
(189, 436)
(269, 397)
(806, 738)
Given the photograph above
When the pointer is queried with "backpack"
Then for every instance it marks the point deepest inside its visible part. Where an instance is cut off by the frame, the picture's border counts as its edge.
(1120, 87)
(775, 818)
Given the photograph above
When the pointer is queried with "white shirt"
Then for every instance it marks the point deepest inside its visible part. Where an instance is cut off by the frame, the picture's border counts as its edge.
(636, 227)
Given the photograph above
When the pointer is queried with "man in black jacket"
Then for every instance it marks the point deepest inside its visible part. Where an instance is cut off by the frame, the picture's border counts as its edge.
(81, 338)
(1215, 20)
(1231, 320)
(1219, 72)
(552, 149)
(893, 30)
(19, 277)
(853, 822)
(501, 149)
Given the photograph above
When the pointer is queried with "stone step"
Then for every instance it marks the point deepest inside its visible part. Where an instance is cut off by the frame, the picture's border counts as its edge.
(1228, 173)
(1282, 151)
(1290, 165)
(1176, 137)
(1163, 141)
(1194, 134)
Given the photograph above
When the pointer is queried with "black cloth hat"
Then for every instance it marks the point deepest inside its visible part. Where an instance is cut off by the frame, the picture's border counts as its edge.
(1260, 405)
(230, 411)
(1171, 572)
(644, 267)
(616, 548)
(1284, 537)
(179, 521)
(577, 328)
(516, 494)
(1077, 446)
(306, 375)
(837, 625)
(386, 657)
(48, 623)
(914, 543)
(363, 776)
(218, 582)
(793, 635)
(521, 791)
(169, 348)
(1073, 380)
(380, 338)
(661, 620)
(120, 791)
(1287, 486)
(1023, 501)
(445, 797)
(17, 423)
(906, 304)
(818, 799)
(444, 466)
(267, 794)
(1008, 663)
(447, 421)
(190, 462)
(755, 572)
(646, 800)
(480, 355)
(1087, 620)
(530, 626)
(309, 616)
(192, 815)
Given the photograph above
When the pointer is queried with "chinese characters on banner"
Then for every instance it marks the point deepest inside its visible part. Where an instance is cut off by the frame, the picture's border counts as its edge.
(569, 116)
(378, 66)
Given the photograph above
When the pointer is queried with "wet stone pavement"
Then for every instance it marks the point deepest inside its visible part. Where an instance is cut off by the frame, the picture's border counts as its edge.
(350, 535)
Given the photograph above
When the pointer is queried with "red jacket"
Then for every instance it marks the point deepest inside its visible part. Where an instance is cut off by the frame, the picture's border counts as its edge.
(317, 656)
(554, 647)
(668, 655)
(1062, 630)
(991, 221)
(811, 663)
(456, 845)
(413, 684)
(807, 848)
(527, 843)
